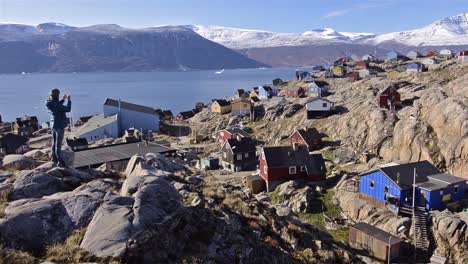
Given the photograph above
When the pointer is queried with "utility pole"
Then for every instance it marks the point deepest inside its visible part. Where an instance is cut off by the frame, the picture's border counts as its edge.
(414, 213)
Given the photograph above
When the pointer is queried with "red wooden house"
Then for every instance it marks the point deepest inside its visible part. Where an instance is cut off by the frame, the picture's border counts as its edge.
(233, 133)
(294, 91)
(354, 76)
(389, 98)
(431, 53)
(309, 138)
(281, 164)
(361, 65)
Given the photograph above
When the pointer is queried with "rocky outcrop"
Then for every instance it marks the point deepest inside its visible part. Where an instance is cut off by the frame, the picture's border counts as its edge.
(451, 235)
(296, 197)
(18, 162)
(32, 224)
(38, 183)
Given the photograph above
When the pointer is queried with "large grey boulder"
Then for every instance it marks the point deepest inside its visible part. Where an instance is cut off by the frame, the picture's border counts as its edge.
(5, 176)
(162, 162)
(35, 184)
(18, 162)
(111, 227)
(298, 198)
(35, 154)
(33, 224)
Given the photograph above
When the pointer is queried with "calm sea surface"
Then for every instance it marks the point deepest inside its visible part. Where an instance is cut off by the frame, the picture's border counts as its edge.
(177, 91)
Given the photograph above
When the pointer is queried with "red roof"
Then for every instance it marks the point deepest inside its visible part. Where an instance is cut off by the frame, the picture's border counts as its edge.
(464, 53)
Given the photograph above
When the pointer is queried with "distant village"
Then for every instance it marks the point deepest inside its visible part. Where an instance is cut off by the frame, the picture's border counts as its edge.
(124, 129)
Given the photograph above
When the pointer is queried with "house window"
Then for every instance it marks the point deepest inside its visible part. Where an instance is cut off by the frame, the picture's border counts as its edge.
(324, 105)
(455, 189)
(246, 155)
(372, 184)
(265, 170)
(225, 155)
(239, 156)
(292, 170)
(441, 192)
(386, 189)
(302, 168)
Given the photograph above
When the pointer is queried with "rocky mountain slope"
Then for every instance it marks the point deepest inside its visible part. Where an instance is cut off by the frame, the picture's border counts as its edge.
(57, 48)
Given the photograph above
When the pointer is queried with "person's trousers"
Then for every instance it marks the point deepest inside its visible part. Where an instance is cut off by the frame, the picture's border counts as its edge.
(57, 139)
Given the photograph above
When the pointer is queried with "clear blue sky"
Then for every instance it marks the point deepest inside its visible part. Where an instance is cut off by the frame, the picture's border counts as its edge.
(378, 16)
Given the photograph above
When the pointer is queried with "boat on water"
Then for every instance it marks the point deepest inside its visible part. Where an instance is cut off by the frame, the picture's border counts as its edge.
(220, 72)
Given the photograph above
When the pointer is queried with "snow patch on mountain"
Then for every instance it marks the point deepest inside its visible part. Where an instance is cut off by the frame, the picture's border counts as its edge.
(448, 31)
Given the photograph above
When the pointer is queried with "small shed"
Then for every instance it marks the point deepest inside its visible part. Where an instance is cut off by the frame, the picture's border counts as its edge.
(389, 98)
(209, 163)
(318, 89)
(376, 241)
(255, 183)
(414, 67)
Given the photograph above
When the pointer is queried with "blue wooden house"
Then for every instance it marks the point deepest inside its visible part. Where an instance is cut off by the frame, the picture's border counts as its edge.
(393, 55)
(317, 89)
(266, 91)
(391, 186)
(414, 67)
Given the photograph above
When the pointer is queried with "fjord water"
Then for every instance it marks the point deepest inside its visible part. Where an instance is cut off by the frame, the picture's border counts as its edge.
(22, 94)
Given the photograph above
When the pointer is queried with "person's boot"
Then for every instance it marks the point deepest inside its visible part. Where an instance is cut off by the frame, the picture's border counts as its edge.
(61, 164)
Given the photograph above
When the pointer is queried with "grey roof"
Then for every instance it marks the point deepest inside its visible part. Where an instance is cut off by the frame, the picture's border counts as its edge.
(377, 233)
(101, 155)
(243, 146)
(95, 122)
(439, 181)
(318, 98)
(239, 131)
(222, 102)
(285, 156)
(130, 106)
(406, 172)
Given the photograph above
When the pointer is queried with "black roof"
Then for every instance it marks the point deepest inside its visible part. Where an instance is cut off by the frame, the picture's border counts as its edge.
(286, 156)
(309, 135)
(240, 91)
(222, 102)
(241, 146)
(377, 233)
(406, 172)
(187, 114)
(239, 131)
(320, 83)
(130, 106)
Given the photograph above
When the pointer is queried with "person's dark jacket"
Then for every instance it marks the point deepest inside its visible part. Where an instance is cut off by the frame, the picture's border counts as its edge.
(58, 118)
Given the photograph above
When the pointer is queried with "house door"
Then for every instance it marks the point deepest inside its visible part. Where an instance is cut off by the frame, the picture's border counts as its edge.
(422, 199)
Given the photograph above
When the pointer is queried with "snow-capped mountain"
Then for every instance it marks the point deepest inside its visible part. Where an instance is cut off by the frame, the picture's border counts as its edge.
(236, 38)
(448, 31)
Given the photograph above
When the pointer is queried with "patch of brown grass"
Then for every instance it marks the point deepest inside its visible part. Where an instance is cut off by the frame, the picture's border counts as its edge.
(4, 198)
(16, 256)
(69, 251)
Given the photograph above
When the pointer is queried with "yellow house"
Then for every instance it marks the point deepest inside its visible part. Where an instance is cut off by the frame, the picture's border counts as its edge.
(393, 74)
(338, 71)
(220, 106)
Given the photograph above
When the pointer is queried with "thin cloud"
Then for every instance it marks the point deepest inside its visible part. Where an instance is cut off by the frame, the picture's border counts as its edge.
(335, 13)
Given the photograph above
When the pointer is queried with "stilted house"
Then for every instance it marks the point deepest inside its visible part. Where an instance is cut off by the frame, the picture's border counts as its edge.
(389, 98)
(265, 91)
(230, 133)
(431, 53)
(310, 138)
(239, 154)
(281, 164)
(241, 107)
(220, 106)
(391, 186)
(318, 107)
(293, 91)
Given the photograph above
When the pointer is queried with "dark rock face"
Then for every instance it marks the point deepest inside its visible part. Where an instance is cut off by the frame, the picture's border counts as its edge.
(106, 48)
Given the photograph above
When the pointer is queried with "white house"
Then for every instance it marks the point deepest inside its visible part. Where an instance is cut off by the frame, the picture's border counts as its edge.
(463, 56)
(429, 61)
(413, 54)
(446, 53)
(99, 127)
(318, 107)
(132, 115)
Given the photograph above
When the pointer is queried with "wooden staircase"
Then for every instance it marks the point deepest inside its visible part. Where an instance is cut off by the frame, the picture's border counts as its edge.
(421, 234)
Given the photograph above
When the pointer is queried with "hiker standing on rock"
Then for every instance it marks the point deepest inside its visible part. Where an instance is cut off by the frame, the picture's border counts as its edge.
(58, 122)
